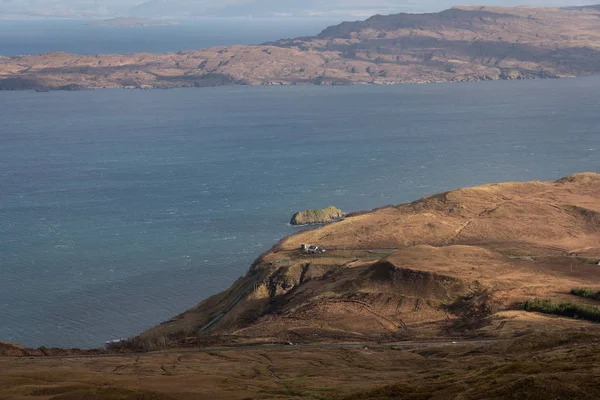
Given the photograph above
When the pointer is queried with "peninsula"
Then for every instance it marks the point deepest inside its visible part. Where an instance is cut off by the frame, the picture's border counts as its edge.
(456, 263)
(457, 45)
(482, 292)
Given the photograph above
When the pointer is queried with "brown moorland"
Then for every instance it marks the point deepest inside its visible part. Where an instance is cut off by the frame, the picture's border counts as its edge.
(563, 364)
(456, 45)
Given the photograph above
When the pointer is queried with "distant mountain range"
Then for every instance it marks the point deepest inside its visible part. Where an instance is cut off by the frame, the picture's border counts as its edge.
(234, 8)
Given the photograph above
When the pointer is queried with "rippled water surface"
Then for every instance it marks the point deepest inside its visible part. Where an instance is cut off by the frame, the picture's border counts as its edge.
(120, 209)
(77, 36)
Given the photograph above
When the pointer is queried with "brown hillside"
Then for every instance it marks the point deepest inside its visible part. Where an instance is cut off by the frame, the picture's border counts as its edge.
(450, 270)
(456, 45)
(536, 366)
(449, 264)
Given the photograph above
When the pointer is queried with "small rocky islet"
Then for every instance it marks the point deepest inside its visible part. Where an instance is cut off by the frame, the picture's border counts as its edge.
(322, 216)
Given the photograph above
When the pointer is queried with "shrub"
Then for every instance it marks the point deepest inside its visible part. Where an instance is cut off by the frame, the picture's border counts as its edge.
(571, 310)
(587, 293)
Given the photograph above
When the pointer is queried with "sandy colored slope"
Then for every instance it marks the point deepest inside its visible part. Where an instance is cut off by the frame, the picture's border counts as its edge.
(491, 247)
(543, 214)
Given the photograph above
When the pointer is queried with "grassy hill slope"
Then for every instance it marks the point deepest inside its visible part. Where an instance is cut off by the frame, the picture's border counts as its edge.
(449, 264)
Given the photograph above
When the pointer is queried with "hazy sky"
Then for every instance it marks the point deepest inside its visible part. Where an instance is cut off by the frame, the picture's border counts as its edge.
(159, 8)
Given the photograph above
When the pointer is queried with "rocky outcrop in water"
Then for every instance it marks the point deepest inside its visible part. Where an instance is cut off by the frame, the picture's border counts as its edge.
(322, 216)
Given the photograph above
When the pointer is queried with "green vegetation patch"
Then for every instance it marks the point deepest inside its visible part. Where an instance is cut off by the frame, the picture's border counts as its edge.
(586, 293)
(571, 310)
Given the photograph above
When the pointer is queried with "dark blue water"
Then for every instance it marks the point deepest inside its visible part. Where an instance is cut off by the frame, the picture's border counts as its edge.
(33, 37)
(120, 209)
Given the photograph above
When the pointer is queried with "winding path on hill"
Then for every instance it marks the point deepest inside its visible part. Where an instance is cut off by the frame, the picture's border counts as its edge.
(231, 305)
(279, 346)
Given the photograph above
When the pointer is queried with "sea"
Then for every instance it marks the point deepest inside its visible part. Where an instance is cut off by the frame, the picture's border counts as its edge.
(122, 208)
(81, 37)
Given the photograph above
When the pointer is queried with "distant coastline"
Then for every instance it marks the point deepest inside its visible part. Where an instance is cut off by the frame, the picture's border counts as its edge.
(130, 22)
(462, 44)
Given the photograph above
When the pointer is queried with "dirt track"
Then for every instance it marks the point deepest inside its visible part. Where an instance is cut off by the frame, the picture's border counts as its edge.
(277, 347)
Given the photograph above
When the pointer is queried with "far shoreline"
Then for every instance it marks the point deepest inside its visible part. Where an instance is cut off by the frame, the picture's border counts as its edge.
(297, 85)
(461, 44)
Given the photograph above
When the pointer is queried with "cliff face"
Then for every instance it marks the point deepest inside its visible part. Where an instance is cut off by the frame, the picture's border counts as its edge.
(11, 350)
(322, 216)
(460, 44)
(453, 263)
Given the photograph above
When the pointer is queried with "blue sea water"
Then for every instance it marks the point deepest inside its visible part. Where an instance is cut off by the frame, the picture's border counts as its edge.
(76, 36)
(120, 209)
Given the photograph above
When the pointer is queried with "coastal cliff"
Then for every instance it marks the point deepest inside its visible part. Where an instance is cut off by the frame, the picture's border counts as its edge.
(457, 45)
(456, 263)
